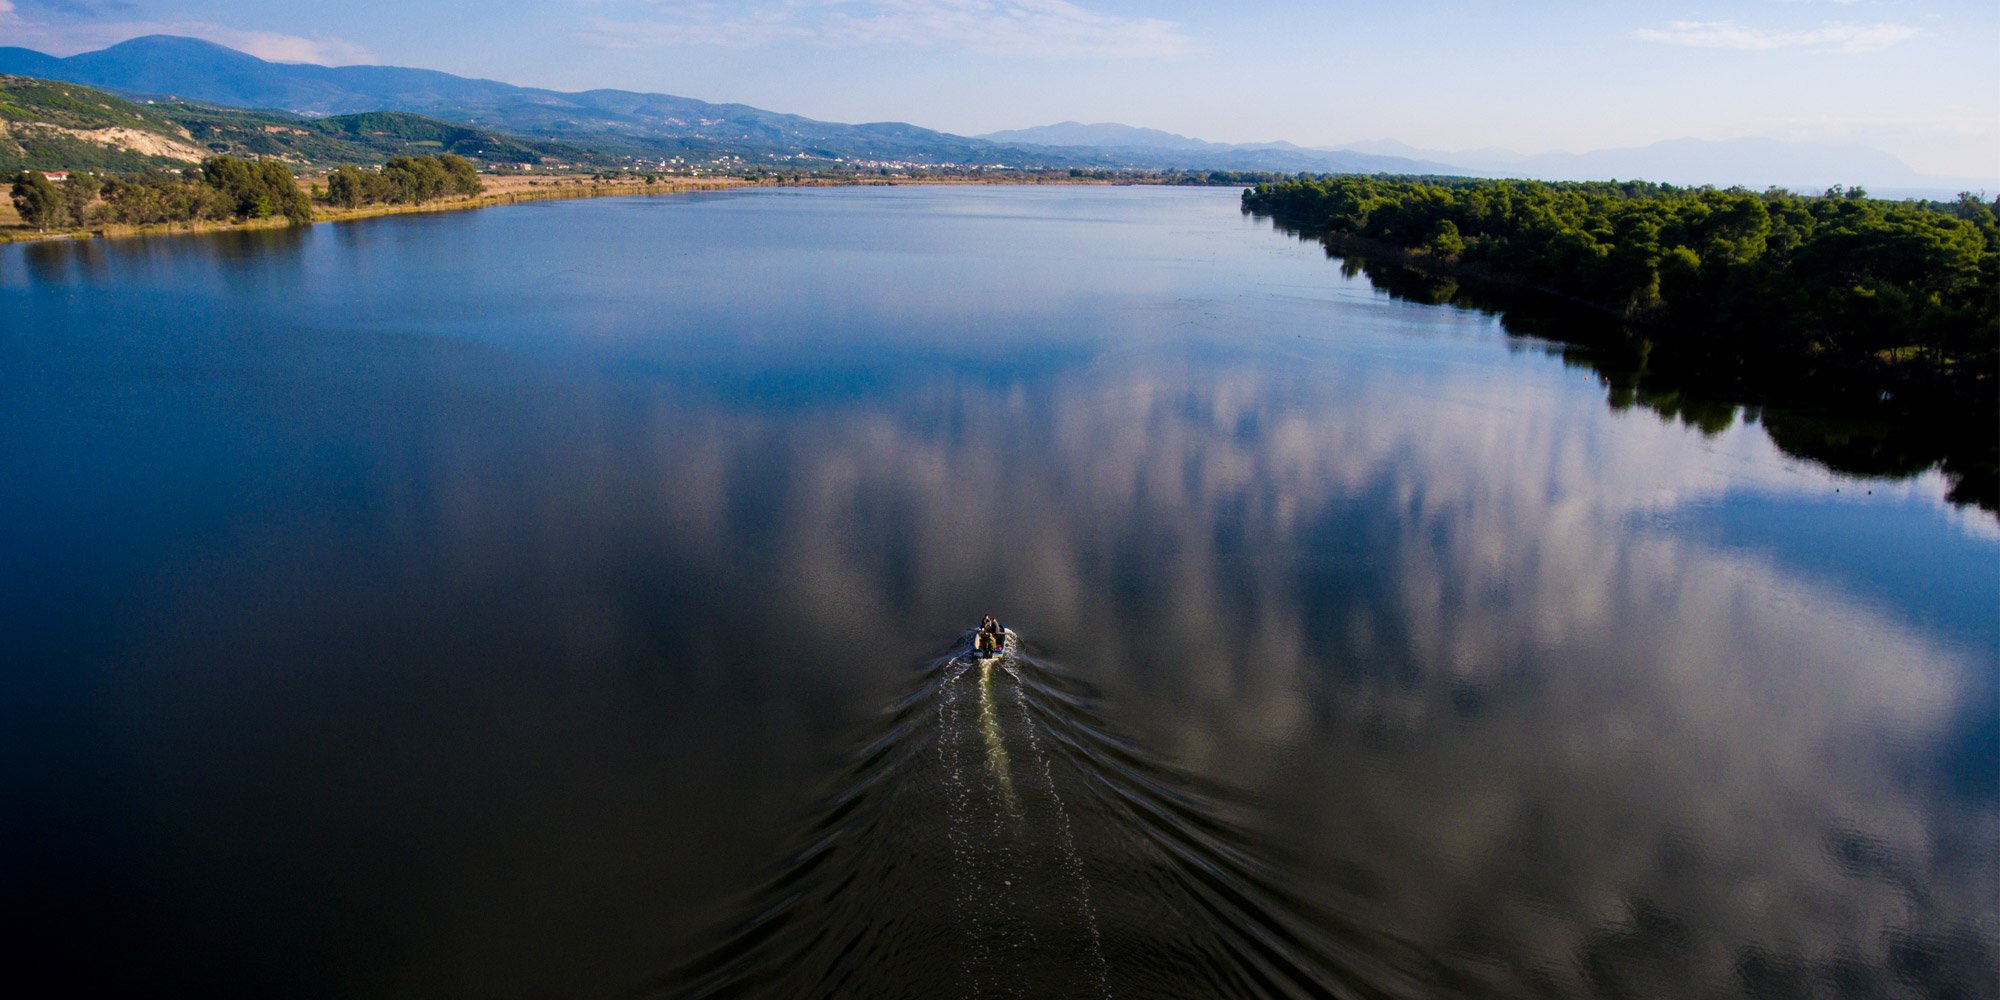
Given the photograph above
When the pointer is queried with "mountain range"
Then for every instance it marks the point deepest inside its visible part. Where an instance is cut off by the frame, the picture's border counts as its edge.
(614, 121)
(643, 127)
(1751, 162)
(1156, 147)
(619, 122)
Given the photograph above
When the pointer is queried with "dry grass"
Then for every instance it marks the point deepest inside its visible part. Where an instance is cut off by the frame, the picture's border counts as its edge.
(509, 189)
(515, 185)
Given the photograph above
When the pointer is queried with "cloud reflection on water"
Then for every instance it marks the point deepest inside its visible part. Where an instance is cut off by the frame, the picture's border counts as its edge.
(1454, 644)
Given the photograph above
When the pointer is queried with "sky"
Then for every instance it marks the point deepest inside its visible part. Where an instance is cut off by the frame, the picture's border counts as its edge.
(1916, 78)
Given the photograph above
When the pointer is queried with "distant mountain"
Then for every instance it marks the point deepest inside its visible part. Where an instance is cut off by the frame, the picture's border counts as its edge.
(28, 62)
(51, 125)
(1108, 134)
(644, 126)
(614, 121)
(636, 126)
(192, 69)
(1153, 148)
(1750, 162)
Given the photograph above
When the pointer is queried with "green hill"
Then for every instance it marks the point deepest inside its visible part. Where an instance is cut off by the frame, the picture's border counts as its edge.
(46, 125)
(371, 137)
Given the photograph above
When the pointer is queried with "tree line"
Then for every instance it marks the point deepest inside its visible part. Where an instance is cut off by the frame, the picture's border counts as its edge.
(225, 187)
(1908, 290)
(403, 180)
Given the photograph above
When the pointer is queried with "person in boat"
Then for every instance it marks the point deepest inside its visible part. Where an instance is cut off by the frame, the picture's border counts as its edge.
(991, 636)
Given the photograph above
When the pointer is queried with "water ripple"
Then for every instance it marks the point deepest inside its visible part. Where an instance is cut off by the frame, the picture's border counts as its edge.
(995, 837)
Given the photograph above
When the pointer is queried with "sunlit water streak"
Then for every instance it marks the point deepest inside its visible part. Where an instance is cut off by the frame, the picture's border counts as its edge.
(1111, 875)
(967, 892)
(996, 749)
(1071, 859)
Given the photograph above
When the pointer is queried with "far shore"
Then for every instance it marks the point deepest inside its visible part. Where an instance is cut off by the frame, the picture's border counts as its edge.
(500, 189)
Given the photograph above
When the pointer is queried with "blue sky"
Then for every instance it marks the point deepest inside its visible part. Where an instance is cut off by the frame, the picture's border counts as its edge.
(1917, 78)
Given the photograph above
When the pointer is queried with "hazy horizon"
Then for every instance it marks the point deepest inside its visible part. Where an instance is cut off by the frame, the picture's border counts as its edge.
(1912, 80)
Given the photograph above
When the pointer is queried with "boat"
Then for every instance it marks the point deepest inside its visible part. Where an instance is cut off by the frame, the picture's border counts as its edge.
(979, 655)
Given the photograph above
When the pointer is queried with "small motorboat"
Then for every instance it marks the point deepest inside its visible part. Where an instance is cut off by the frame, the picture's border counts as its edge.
(991, 645)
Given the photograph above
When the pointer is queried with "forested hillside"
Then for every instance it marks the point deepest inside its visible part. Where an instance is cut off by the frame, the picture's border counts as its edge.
(372, 137)
(46, 125)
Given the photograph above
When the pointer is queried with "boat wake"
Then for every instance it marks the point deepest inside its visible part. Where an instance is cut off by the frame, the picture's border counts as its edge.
(994, 837)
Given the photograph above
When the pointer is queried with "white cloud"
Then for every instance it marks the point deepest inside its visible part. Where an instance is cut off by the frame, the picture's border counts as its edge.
(278, 47)
(1831, 37)
(1052, 29)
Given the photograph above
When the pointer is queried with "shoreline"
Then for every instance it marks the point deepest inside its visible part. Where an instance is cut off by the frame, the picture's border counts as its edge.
(508, 192)
(508, 195)
(1842, 414)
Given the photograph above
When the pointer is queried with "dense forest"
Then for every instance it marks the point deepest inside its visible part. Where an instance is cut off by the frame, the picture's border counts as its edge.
(403, 180)
(1848, 306)
(225, 187)
(1887, 296)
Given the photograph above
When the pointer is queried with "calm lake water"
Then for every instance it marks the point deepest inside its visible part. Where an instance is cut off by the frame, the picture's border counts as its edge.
(563, 600)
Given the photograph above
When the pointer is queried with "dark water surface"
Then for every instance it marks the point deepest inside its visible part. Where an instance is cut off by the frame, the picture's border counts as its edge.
(560, 600)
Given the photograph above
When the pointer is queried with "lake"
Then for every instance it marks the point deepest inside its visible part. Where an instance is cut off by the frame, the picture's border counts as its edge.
(568, 599)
